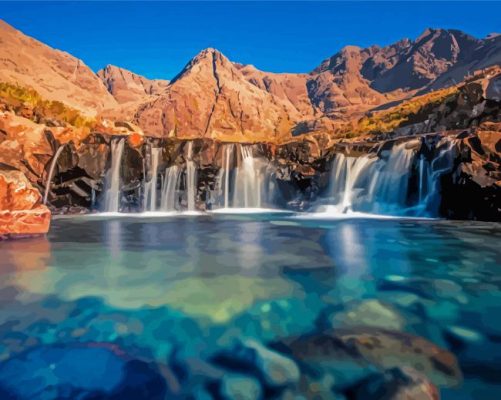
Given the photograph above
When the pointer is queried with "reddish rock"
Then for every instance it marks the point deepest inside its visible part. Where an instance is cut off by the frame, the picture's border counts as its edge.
(126, 86)
(21, 213)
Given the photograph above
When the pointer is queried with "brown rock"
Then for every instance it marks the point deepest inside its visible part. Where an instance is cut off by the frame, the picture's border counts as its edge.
(20, 210)
(126, 86)
(54, 74)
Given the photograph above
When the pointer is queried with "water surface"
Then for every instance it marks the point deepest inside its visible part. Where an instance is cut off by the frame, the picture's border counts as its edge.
(184, 287)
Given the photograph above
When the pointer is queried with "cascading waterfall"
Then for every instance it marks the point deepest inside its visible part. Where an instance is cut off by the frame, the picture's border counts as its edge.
(170, 187)
(429, 176)
(48, 181)
(113, 193)
(244, 180)
(391, 181)
(376, 185)
(190, 178)
(370, 184)
(150, 189)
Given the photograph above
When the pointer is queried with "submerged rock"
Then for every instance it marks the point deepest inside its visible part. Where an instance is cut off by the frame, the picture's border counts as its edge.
(368, 313)
(79, 371)
(395, 384)
(250, 356)
(382, 349)
(240, 387)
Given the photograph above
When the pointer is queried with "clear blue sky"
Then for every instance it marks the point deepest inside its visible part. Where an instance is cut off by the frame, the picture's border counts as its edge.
(157, 39)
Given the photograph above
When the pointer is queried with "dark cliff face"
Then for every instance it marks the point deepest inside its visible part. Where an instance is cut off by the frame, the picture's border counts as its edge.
(469, 185)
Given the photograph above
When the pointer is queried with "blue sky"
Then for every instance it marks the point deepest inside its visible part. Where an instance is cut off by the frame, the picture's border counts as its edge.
(157, 39)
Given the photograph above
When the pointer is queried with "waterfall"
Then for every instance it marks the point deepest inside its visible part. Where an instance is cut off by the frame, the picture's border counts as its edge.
(48, 181)
(112, 195)
(170, 186)
(430, 174)
(381, 185)
(370, 184)
(224, 174)
(150, 192)
(190, 178)
(422, 172)
(392, 180)
(244, 180)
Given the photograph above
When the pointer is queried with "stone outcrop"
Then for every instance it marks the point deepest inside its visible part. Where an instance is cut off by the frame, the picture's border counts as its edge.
(21, 211)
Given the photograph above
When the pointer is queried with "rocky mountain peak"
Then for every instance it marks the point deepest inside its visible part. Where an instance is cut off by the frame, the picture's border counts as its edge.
(126, 86)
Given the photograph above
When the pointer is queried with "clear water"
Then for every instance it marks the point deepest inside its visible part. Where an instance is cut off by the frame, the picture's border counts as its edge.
(193, 283)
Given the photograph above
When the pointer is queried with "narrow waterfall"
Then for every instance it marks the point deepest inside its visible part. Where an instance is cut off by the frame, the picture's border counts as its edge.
(170, 187)
(112, 195)
(150, 188)
(370, 184)
(244, 180)
(429, 176)
(190, 179)
(224, 174)
(48, 181)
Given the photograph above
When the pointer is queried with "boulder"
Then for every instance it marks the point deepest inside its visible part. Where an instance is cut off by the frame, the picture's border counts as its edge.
(21, 211)
(395, 384)
(91, 370)
(250, 356)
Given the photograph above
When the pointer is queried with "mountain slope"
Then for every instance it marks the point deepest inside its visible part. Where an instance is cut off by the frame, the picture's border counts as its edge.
(212, 98)
(54, 74)
(127, 86)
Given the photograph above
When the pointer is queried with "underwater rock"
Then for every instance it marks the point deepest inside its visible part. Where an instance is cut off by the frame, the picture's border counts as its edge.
(379, 348)
(369, 313)
(250, 356)
(395, 384)
(240, 387)
(79, 371)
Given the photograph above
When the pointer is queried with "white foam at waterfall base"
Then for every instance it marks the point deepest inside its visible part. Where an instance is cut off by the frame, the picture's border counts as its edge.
(113, 192)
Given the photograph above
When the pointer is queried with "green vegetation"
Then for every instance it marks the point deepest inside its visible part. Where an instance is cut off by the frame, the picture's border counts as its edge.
(27, 102)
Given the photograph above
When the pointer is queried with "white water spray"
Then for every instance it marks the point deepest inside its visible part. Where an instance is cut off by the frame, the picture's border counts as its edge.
(113, 193)
(48, 181)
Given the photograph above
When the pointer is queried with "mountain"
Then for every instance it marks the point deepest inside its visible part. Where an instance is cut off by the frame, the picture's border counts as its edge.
(126, 86)
(216, 98)
(212, 98)
(54, 74)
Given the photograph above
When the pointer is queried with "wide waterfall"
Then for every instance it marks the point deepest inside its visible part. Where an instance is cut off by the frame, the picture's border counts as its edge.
(377, 185)
(371, 184)
(244, 180)
(150, 188)
(113, 192)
